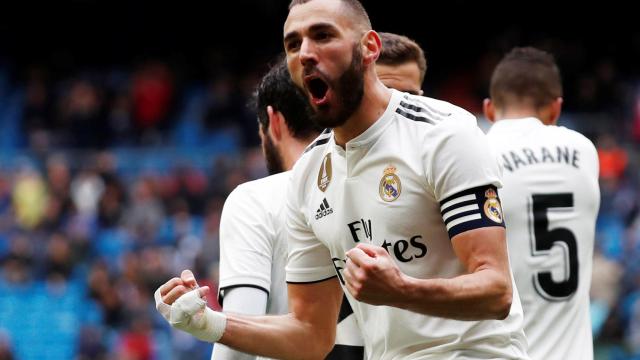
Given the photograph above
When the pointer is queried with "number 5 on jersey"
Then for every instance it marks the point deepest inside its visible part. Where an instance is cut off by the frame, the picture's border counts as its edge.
(545, 238)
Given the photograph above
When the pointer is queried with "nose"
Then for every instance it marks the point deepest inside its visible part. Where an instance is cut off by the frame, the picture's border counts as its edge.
(308, 55)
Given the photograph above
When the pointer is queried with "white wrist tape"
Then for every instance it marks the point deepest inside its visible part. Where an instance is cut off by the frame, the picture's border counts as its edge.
(191, 314)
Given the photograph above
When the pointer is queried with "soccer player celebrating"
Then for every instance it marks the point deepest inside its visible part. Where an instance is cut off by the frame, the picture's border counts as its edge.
(253, 248)
(551, 199)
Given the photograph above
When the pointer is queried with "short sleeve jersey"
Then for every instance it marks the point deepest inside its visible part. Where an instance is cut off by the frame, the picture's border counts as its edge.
(421, 174)
(551, 199)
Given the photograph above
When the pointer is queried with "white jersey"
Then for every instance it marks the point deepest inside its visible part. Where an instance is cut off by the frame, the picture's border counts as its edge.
(253, 251)
(550, 201)
(408, 183)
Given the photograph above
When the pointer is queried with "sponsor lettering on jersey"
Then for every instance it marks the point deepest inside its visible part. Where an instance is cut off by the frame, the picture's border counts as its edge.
(390, 185)
(403, 250)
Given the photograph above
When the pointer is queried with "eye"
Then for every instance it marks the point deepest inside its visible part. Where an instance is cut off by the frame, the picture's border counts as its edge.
(292, 45)
(322, 35)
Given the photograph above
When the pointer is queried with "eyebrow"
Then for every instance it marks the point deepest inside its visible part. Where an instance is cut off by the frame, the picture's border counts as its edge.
(313, 28)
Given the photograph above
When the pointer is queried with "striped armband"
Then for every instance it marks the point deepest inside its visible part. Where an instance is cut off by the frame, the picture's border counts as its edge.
(472, 209)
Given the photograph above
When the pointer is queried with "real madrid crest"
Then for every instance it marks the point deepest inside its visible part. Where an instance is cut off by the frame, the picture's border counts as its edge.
(324, 175)
(390, 185)
(492, 208)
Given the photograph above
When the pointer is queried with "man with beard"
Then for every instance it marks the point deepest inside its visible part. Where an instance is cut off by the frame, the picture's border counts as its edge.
(253, 249)
(252, 227)
(415, 235)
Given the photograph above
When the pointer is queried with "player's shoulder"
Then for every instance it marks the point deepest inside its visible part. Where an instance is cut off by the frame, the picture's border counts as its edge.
(262, 189)
(572, 137)
(438, 113)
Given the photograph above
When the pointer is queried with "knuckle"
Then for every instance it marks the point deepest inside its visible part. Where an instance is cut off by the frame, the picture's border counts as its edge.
(367, 267)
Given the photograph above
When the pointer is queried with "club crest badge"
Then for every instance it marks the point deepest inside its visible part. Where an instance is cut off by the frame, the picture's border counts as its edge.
(390, 185)
(492, 208)
(324, 175)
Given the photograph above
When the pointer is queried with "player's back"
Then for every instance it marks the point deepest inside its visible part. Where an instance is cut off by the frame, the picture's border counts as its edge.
(550, 201)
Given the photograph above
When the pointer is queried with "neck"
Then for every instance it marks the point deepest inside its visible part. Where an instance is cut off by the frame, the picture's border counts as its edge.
(291, 151)
(542, 114)
(374, 103)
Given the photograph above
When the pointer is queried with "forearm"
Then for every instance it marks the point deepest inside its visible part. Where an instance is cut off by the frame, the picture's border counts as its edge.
(484, 294)
(309, 334)
(280, 337)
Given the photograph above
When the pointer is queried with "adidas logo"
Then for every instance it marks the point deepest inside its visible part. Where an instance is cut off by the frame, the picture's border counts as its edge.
(324, 209)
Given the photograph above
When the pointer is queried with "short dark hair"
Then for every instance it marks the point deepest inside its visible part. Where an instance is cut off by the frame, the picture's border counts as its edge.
(354, 5)
(399, 49)
(276, 89)
(526, 74)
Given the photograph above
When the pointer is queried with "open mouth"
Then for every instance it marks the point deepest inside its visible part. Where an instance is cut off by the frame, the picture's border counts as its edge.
(317, 88)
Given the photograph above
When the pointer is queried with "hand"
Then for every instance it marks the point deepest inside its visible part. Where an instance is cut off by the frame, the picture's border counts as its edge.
(181, 302)
(372, 276)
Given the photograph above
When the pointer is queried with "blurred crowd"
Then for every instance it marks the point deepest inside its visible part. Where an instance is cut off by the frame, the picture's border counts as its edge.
(112, 181)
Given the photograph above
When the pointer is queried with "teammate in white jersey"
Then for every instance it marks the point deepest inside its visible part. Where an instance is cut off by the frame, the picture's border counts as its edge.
(253, 248)
(551, 199)
(403, 186)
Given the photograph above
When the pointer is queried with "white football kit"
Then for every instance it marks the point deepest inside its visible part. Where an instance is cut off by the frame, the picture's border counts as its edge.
(253, 253)
(551, 199)
(422, 173)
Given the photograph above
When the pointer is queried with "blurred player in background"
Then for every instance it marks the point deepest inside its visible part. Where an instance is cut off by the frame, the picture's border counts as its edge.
(253, 248)
(551, 199)
(402, 64)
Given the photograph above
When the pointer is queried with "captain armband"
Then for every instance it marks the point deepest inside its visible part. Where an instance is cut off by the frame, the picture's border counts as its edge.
(472, 209)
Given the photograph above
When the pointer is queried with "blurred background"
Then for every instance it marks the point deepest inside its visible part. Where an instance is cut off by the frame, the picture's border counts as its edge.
(123, 127)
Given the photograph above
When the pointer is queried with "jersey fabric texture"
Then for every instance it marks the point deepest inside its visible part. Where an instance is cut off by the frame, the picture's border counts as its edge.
(551, 199)
(253, 253)
(421, 172)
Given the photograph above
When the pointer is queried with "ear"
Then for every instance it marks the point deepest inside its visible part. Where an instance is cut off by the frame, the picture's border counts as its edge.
(555, 110)
(278, 128)
(371, 46)
(275, 123)
(489, 110)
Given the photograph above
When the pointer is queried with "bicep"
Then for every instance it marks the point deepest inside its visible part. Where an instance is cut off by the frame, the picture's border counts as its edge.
(482, 248)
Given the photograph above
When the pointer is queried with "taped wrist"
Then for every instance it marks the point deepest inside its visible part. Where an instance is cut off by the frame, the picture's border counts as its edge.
(190, 314)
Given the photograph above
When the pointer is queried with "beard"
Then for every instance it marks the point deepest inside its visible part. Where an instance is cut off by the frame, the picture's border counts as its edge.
(348, 91)
(275, 164)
